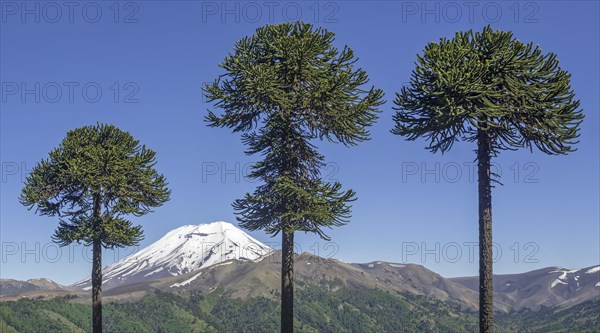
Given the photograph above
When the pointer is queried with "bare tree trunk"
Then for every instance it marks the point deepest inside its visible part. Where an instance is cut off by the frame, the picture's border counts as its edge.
(287, 282)
(97, 287)
(97, 272)
(486, 302)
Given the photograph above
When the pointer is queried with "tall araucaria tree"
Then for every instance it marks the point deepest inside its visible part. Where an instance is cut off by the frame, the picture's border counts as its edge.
(284, 87)
(490, 88)
(96, 178)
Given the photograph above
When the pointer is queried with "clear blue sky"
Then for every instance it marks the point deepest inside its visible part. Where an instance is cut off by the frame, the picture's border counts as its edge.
(160, 53)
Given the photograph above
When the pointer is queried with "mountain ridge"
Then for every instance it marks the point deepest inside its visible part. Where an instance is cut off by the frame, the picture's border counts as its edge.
(231, 260)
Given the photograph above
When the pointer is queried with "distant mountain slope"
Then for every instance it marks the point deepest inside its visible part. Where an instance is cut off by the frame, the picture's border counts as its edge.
(180, 251)
(204, 258)
(547, 286)
(262, 279)
(13, 287)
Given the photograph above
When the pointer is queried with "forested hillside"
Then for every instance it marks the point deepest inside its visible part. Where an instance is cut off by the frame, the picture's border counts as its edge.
(317, 310)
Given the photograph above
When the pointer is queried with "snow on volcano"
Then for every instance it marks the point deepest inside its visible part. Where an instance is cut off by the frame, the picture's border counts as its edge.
(183, 250)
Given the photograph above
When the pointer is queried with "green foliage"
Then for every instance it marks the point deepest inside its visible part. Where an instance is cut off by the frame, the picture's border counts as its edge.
(154, 313)
(317, 310)
(5, 328)
(283, 87)
(95, 178)
(27, 316)
(580, 318)
(489, 81)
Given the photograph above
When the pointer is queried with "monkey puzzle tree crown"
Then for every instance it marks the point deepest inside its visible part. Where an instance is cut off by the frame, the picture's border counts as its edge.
(492, 82)
(96, 164)
(283, 87)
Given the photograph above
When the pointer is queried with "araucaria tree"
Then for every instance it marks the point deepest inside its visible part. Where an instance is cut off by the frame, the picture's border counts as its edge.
(490, 88)
(96, 178)
(283, 87)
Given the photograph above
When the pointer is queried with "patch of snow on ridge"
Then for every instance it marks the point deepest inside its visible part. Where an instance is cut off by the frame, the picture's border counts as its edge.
(593, 270)
(222, 264)
(555, 282)
(177, 285)
(155, 271)
(562, 278)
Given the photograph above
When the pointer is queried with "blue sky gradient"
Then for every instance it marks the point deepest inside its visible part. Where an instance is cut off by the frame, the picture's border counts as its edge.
(412, 205)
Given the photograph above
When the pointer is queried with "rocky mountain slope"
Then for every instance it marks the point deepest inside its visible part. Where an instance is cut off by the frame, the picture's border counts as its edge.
(547, 286)
(15, 287)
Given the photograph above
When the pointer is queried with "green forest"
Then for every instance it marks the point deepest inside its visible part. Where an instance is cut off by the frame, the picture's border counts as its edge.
(316, 310)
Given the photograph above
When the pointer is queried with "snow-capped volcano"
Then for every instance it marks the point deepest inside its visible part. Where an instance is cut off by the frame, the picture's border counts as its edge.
(183, 250)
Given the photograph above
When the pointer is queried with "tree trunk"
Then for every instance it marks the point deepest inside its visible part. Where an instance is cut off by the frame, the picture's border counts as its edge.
(97, 287)
(486, 302)
(97, 271)
(287, 282)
